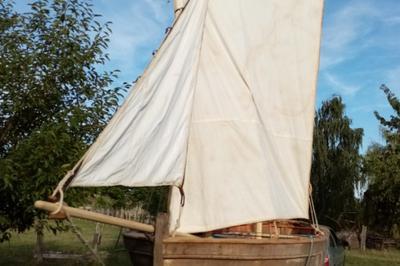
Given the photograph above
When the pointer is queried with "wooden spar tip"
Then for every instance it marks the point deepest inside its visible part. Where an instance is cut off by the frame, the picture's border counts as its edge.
(98, 217)
(93, 216)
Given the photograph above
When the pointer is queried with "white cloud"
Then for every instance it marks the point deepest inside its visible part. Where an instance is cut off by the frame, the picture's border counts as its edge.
(343, 31)
(392, 20)
(158, 10)
(137, 29)
(356, 26)
(340, 86)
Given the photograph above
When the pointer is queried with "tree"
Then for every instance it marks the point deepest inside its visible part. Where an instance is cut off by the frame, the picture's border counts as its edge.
(382, 168)
(336, 161)
(53, 100)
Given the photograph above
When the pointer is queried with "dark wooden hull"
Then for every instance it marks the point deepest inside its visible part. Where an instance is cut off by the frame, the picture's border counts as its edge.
(177, 251)
(140, 247)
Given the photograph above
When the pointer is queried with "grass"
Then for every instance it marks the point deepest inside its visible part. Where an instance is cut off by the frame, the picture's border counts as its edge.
(372, 258)
(20, 249)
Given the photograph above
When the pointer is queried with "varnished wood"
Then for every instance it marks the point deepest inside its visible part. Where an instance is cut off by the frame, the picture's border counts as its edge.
(215, 252)
(210, 250)
(98, 217)
(160, 234)
(93, 216)
(258, 227)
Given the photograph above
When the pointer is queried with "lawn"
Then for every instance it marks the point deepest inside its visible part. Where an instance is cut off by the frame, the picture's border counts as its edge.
(20, 249)
(372, 258)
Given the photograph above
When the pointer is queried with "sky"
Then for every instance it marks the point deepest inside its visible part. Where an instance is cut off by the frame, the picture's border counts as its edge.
(360, 50)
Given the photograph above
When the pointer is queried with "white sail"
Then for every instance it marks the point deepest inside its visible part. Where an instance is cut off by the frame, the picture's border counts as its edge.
(146, 141)
(228, 103)
(249, 153)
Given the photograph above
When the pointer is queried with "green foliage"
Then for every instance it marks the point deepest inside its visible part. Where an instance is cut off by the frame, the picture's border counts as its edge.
(151, 199)
(336, 162)
(391, 126)
(154, 199)
(53, 100)
(382, 168)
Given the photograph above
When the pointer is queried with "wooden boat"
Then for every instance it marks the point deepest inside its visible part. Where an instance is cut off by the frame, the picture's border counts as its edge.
(286, 242)
(223, 115)
(301, 246)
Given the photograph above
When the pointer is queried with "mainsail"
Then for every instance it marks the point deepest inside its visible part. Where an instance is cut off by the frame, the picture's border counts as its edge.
(225, 110)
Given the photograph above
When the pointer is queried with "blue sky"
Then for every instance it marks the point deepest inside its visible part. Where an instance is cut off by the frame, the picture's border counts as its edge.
(360, 50)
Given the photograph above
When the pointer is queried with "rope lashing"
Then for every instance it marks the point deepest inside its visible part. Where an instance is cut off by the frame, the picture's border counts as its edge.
(137, 79)
(179, 9)
(60, 202)
(59, 190)
(182, 192)
(314, 218)
(182, 203)
(167, 30)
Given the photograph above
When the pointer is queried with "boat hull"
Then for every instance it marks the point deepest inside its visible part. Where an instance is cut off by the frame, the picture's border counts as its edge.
(178, 251)
(140, 247)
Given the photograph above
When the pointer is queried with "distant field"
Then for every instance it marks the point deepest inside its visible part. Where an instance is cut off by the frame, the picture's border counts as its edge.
(20, 249)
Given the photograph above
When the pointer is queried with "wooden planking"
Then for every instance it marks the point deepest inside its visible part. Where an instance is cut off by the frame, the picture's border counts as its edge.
(314, 261)
(177, 251)
(215, 252)
(245, 252)
(266, 241)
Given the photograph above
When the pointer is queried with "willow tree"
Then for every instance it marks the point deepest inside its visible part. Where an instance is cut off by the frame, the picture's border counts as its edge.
(53, 100)
(336, 161)
(382, 168)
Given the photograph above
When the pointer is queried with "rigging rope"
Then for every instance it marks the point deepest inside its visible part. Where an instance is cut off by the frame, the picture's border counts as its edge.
(313, 213)
(82, 239)
(310, 252)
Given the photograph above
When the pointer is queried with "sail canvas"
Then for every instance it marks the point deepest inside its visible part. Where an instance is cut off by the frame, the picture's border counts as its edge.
(226, 111)
(146, 141)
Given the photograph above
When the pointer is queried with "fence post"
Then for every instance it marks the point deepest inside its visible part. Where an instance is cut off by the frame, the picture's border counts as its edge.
(363, 237)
